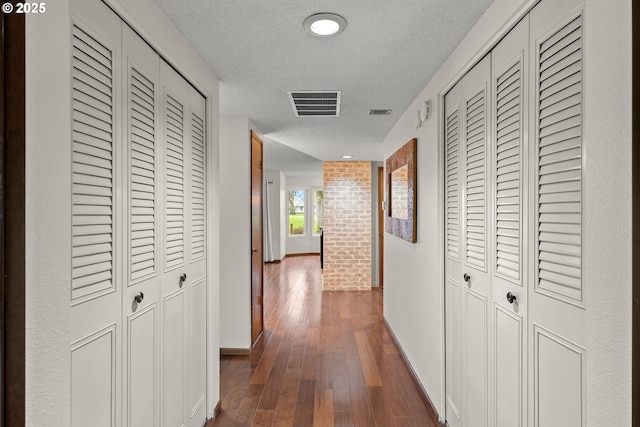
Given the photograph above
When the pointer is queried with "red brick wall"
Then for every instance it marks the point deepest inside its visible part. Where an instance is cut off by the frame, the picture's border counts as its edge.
(347, 225)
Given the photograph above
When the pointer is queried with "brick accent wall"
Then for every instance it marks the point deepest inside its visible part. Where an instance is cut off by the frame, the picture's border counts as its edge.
(347, 226)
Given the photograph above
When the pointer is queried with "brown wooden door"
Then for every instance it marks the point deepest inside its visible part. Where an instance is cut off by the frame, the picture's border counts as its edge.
(256, 237)
(12, 219)
(380, 227)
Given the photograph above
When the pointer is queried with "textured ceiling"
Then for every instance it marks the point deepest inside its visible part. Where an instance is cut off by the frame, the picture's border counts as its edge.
(259, 51)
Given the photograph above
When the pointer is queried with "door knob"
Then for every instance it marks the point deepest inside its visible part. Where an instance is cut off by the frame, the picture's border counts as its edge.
(511, 297)
(254, 250)
(138, 297)
(183, 277)
(466, 277)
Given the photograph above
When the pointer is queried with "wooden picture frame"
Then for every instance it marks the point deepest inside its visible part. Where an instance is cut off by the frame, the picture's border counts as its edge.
(401, 166)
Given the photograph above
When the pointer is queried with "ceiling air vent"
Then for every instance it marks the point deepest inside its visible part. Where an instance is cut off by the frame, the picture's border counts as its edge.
(379, 112)
(315, 103)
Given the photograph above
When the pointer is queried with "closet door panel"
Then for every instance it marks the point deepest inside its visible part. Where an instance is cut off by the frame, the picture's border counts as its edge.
(174, 349)
(175, 127)
(453, 266)
(556, 305)
(175, 138)
(93, 362)
(476, 292)
(93, 168)
(141, 373)
(141, 298)
(196, 322)
(509, 402)
(198, 174)
(476, 359)
(198, 352)
(183, 286)
(510, 62)
(94, 129)
(95, 277)
(467, 291)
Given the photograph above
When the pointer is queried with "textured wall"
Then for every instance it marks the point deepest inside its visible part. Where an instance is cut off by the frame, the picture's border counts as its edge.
(235, 258)
(347, 225)
(48, 213)
(607, 263)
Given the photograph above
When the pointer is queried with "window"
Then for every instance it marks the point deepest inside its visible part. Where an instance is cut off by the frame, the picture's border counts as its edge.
(318, 215)
(297, 212)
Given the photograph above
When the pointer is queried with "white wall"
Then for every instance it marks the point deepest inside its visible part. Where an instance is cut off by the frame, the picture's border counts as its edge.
(413, 275)
(48, 198)
(308, 243)
(278, 227)
(607, 204)
(235, 232)
(283, 220)
(48, 213)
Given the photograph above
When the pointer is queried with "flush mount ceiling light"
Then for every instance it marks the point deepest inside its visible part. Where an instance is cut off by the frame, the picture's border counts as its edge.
(347, 156)
(324, 24)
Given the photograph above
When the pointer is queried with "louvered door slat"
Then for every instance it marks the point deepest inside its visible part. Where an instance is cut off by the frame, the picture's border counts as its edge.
(83, 88)
(475, 180)
(103, 69)
(507, 173)
(174, 181)
(91, 151)
(563, 79)
(92, 117)
(197, 187)
(90, 139)
(562, 43)
(142, 178)
(453, 208)
(559, 162)
(93, 130)
(88, 100)
(91, 81)
(84, 42)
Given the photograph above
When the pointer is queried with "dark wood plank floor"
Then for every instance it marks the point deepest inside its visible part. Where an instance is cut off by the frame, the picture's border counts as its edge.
(325, 359)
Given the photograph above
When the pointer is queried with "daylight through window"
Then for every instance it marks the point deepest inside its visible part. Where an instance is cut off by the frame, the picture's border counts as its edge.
(296, 212)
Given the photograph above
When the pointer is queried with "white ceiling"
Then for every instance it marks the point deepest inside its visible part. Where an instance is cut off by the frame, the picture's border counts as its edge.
(385, 57)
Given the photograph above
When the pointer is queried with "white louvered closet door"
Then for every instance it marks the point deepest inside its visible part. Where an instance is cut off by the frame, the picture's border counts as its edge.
(510, 62)
(195, 393)
(95, 277)
(175, 239)
(476, 294)
(524, 330)
(453, 264)
(138, 221)
(183, 285)
(468, 287)
(556, 297)
(143, 273)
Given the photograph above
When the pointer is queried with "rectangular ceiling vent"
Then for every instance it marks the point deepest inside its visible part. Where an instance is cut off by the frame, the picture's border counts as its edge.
(315, 103)
(379, 112)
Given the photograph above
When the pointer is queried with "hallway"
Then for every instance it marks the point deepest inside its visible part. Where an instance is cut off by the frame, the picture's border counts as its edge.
(325, 359)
